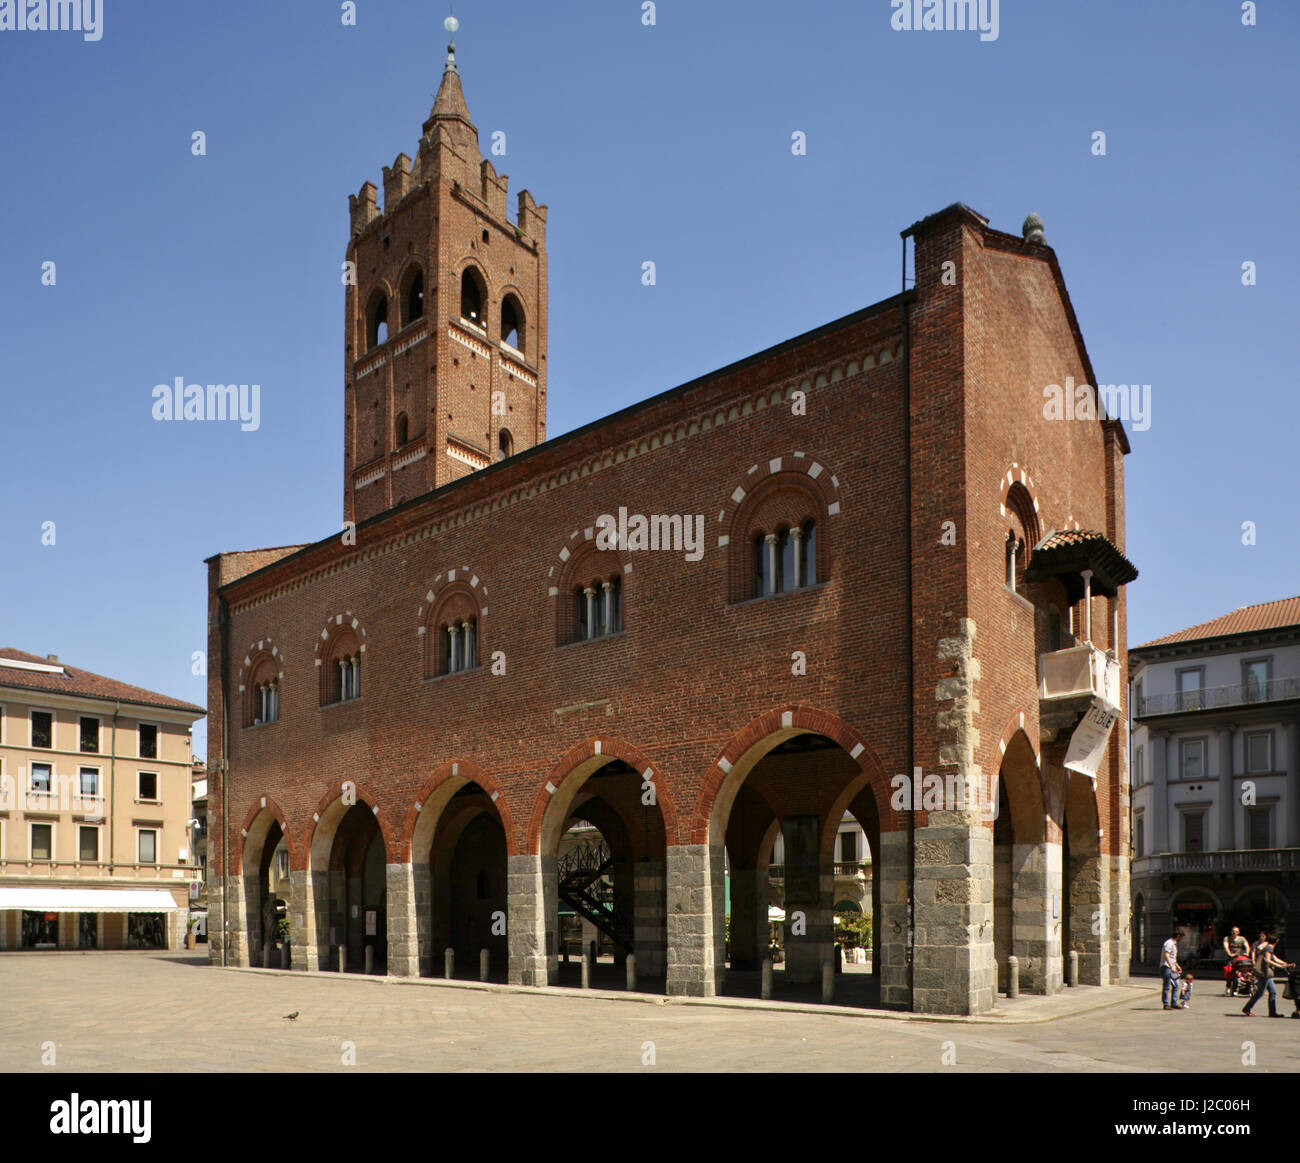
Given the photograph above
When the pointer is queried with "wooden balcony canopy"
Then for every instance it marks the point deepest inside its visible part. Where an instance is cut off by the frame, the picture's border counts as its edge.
(1065, 555)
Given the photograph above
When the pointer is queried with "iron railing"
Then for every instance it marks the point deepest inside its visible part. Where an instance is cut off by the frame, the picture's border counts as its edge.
(1211, 698)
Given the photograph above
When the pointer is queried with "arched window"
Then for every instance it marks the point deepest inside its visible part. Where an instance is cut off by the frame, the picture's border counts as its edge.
(413, 297)
(342, 677)
(774, 537)
(401, 429)
(453, 630)
(377, 320)
(598, 608)
(505, 444)
(471, 297)
(785, 560)
(1014, 549)
(262, 692)
(512, 323)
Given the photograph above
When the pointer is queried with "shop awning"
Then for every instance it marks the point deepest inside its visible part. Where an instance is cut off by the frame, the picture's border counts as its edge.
(38, 899)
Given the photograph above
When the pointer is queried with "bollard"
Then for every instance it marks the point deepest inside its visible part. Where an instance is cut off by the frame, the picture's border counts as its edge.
(284, 955)
(586, 973)
(765, 988)
(828, 982)
(1072, 968)
(1013, 977)
(631, 972)
(370, 959)
(449, 963)
(484, 964)
(338, 957)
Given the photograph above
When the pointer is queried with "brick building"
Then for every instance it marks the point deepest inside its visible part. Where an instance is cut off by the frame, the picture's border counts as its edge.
(863, 552)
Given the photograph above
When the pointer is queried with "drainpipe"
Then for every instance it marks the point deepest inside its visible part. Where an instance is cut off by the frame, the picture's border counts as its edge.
(223, 618)
(911, 644)
(112, 785)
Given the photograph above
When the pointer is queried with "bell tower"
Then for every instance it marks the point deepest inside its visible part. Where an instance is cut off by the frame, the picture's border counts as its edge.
(445, 327)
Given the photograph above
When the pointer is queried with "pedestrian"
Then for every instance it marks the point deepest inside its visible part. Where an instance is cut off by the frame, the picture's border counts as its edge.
(1170, 971)
(1235, 946)
(1265, 963)
(1185, 991)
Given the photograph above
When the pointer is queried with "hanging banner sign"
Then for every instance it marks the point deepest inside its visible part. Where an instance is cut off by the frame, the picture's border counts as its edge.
(1088, 743)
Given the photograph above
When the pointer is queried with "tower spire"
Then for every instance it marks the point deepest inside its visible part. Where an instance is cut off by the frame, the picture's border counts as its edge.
(449, 104)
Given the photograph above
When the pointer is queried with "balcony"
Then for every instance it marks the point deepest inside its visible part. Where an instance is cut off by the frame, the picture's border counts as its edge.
(1233, 860)
(1277, 690)
(1078, 672)
(844, 870)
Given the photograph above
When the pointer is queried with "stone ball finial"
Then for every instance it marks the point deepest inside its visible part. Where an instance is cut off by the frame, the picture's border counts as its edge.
(1032, 230)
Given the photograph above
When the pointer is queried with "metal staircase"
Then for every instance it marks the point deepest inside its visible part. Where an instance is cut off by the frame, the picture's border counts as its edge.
(582, 887)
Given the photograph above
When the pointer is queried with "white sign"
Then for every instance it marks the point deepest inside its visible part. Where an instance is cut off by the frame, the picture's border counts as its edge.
(1088, 743)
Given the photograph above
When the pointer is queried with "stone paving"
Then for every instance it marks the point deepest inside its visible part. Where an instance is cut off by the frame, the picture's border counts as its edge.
(138, 1011)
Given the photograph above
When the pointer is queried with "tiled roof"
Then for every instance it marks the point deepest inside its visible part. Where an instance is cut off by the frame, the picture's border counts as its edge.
(1247, 620)
(75, 682)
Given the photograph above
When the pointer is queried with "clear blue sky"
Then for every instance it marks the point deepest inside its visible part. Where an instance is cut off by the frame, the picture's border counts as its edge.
(669, 143)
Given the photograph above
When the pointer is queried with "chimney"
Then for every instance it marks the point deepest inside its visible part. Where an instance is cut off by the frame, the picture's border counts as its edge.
(51, 658)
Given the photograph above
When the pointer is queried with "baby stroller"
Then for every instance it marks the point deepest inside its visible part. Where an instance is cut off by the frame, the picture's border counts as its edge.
(1239, 977)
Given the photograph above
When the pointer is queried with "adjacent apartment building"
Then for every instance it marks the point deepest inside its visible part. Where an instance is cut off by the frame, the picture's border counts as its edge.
(1216, 779)
(96, 845)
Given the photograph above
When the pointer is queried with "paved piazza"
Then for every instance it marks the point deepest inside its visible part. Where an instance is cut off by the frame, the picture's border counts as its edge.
(108, 1012)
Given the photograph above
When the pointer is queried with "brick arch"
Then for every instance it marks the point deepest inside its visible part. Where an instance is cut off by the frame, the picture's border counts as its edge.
(989, 780)
(489, 296)
(1016, 475)
(333, 624)
(412, 263)
(1029, 815)
(363, 795)
(265, 645)
(753, 741)
(266, 804)
(578, 543)
(512, 290)
(579, 762)
(461, 771)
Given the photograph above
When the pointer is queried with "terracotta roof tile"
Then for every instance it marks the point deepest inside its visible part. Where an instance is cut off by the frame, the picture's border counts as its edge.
(1247, 620)
(83, 683)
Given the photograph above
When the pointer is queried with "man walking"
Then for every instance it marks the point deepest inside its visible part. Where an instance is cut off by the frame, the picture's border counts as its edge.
(1170, 971)
(1265, 963)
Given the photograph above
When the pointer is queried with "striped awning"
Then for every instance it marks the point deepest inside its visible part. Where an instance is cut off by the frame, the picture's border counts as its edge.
(39, 899)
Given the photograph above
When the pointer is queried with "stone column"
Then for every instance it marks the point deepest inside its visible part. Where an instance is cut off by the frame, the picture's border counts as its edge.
(807, 952)
(328, 930)
(1159, 793)
(890, 930)
(953, 970)
(1227, 796)
(302, 922)
(422, 887)
(240, 952)
(1119, 918)
(1036, 916)
(695, 891)
(749, 932)
(402, 925)
(526, 920)
(649, 918)
(1089, 912)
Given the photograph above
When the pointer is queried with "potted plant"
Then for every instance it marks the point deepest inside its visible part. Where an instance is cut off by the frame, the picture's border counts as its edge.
(190, 926)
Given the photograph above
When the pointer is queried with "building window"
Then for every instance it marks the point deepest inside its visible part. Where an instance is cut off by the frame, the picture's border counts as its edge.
(1254, 680)
(1139, 836)
(1259, 752)
(459, 646)
(1189, 690)
(1259, 827)
(512, 323)
(148, 846)
(42, 841)
(849, 847)
(262, 691)
(505, 444)
(377, 320)
(89, 734)
(414, 297)
(598, 608)
(148, 741)
(1138, 762)
(88, 844)
(267, 699)
(42, 777)
(89, 778)
(340, 672)
(148, 786)
(42, 729)
(1013, 547)
(471, 297)
(1191, 758)
(1193, 831)
(785, 560)
(1137, 698)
